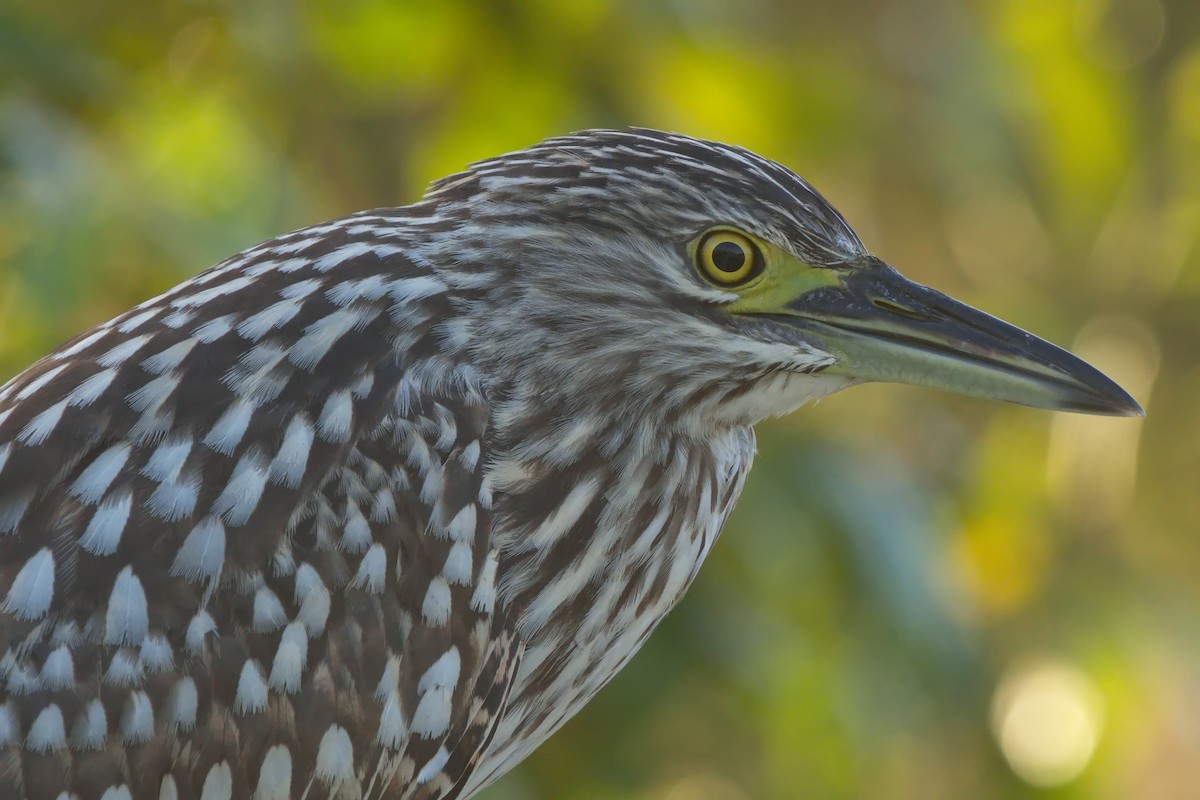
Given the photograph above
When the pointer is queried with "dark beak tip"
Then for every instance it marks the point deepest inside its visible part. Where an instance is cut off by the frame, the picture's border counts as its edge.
(1115, 402)
(1132, 409)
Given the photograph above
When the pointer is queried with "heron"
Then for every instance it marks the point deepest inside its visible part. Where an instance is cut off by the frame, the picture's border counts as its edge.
(371, 509)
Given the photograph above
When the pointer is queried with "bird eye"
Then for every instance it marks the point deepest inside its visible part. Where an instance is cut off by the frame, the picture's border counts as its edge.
(727, 258)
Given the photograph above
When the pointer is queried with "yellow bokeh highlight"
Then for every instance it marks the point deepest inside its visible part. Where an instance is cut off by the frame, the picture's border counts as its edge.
(390, 48)
(1184, 88)
(507, 108)
(1119, 34)
(1008, 459)
(716, 91)
(705, 786)
(1047, 718)
(1068, 108)
(194, 146)
(1091, 467)
(1001, 562)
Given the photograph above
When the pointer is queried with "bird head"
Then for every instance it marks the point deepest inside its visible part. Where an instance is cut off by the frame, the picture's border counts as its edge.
(656, 274)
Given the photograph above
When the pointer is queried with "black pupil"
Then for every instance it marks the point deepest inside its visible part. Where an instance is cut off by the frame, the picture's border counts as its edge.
(728, 257)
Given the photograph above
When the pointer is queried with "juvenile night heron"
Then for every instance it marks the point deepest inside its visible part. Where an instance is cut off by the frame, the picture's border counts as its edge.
(373, 508)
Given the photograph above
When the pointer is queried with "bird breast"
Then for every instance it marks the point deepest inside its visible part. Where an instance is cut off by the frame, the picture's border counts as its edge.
(596, 574)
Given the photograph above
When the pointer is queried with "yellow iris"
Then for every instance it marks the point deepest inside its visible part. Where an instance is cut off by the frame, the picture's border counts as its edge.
(728, 258)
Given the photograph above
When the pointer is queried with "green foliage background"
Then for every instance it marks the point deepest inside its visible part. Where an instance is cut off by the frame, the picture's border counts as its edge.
(901, 559)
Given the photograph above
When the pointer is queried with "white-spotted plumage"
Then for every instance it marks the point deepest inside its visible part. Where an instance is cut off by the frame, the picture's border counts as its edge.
(313, 598)
(182, 705)
(335, 756)
(156, 654)
(202, 553)
(103, 533)
(41, 426)
(168, 359)
(120, 792)
(275, 775)
(90, 728)
(227, 432)
(12, 510)
(175, 500)
(125, 668)
(127, 616)
(251, 689)
(269, 614)
(337, 417)
(288, 466)
(167, 460)
(218, 784)
(32, 589)
(372, 570)
(95, 479)
(47, 732)
(371, 509)
(131, 322)
(287, 668)
(239, 499)
(91, 389)
(10, 724)
(58, 671)
(435, 609)
(273, 316)
(199, 628)
(137, 720)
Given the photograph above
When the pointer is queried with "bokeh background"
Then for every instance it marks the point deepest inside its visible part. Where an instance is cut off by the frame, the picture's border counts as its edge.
(919, 596)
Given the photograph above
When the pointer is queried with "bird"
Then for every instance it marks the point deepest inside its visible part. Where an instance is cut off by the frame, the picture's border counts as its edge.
(371, 509)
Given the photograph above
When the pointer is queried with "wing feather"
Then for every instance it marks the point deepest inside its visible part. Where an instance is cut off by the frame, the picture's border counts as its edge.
(244, 541)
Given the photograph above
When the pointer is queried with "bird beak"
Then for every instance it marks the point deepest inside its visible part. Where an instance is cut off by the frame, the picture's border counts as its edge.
(883, 327)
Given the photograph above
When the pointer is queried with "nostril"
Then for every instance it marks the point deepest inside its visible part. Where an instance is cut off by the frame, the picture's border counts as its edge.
(900, 311)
